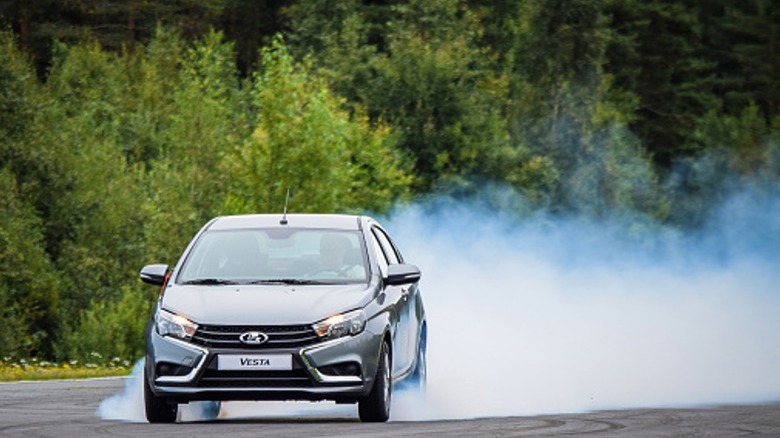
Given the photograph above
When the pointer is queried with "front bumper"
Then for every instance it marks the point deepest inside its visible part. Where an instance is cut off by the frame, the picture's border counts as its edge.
(183, 371)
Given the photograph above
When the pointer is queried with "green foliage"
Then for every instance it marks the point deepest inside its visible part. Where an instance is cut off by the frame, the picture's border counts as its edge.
(143, 122)
(16, 79)
(153, 76)
(446, 108)
(602, 166)
(742, 40)
(108, 330)
(92, 220)
(658, 54)
(206, 116)
(25, 368)
(29, 290)
(426, 76)
(580, 156)
(318, 22)
(339, 47)
(560, 41)
(745, 139)
(28, 287)
(303, 141)
(20, 99)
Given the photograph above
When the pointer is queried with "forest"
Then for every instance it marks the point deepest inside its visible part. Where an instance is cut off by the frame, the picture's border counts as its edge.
(126, 124)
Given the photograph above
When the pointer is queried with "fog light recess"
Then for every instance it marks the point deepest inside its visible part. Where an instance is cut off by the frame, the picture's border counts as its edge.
(341, 369)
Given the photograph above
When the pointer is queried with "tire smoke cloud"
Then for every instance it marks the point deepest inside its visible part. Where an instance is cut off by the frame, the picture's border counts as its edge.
(547, 315)
(128, 404)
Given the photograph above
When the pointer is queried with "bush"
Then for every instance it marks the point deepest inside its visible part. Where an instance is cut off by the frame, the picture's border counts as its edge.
(108, 331)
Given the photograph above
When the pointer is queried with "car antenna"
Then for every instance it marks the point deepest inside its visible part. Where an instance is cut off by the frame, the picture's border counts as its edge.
(284, 214)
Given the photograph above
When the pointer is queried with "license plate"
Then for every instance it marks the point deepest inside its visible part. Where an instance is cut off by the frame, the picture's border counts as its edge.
(255, 362)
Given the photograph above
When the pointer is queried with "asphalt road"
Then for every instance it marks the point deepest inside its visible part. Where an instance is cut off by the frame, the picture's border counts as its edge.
(65, 409)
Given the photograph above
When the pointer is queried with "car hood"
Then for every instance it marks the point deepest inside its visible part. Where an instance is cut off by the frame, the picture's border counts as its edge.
(263, 304)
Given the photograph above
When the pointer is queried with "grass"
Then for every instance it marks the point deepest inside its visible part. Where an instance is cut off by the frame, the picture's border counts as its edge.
(14, 370)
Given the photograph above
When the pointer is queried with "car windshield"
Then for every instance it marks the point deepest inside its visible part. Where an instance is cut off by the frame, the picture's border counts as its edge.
(276, 256)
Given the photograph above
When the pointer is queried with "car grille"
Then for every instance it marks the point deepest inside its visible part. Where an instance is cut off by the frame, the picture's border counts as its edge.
(222, 336)
(255, 379)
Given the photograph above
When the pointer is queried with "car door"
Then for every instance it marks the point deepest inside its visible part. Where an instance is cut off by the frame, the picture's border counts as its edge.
(405, 345)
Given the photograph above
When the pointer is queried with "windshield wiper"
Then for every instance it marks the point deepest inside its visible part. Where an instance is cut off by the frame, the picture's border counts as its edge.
(209, 281)
(285, 281)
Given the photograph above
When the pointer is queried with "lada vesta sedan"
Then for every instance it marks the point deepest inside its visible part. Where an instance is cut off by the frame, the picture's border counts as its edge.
(293, 307)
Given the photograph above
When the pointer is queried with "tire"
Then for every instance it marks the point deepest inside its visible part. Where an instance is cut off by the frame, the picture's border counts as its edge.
(375, 408)
(158, 409)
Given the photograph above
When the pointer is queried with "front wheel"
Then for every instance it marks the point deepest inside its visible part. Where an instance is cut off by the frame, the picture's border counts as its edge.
(375, 408)
(158, 409)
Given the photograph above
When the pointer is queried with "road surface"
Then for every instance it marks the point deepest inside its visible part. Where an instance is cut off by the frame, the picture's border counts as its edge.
(64, 409)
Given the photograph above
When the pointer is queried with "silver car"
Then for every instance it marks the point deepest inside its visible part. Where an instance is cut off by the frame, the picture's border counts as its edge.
(293, 307)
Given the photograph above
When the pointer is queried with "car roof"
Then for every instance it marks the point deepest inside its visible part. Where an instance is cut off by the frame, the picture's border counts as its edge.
(327, 221)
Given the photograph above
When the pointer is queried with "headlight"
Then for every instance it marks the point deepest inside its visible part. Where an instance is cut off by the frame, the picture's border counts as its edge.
(169, 324)
(341, 324)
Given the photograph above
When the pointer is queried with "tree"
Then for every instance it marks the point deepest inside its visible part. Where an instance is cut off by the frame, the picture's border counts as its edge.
(115, 24)
(303, 141)
(658, 55)
(427, 77)
(29, 290)
(250, 24)
(109, 329)
(208, 115)
(446, 109)
(86, 194)
(573, 118)
(742, 38)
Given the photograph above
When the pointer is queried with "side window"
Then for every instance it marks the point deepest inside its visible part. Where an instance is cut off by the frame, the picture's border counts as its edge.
(387, 247)
(380, 255)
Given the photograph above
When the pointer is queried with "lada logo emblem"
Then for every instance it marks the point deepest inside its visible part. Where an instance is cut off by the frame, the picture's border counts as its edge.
(253, 338)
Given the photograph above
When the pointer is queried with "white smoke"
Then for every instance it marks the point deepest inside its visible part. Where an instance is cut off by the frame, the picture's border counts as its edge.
(127, 405)
(551, 315)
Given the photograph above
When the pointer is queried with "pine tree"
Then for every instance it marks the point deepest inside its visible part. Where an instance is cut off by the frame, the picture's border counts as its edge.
(658, 56)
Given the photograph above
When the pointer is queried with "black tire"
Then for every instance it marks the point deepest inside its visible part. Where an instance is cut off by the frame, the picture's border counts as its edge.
(375, 408)
(158, 409)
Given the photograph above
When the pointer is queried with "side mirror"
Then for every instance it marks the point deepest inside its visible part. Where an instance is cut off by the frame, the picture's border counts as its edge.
(402, 274)
(154, 274)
